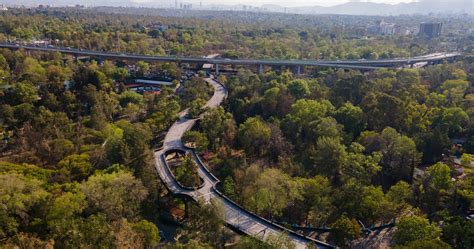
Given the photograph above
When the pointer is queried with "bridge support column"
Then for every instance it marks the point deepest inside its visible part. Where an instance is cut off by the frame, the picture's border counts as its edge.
(217, 68)
(297, 70)
(260, 69)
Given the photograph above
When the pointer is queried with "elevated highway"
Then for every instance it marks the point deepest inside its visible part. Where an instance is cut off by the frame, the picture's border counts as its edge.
(345, 64)
(235, 215)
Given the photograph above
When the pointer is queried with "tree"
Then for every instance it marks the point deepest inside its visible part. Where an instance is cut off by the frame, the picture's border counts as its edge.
(454, 90)
(186, 172)
(117, 195)
(254, 135)
(65, 207)
(270, 100)
(458, 232)
(163, 114)
(86, 74)
(415, 228)
(276, 102)
(59, 148)
(453, 120)
(399, 153)
(385, 110)
(279, 147)
(25, 240)
(97, 231)
(375, 206)
(143, 68)
(436, 187)
(304, 116)
(63, 219)
(24, 92)
(19, 194)
(247, 242)
(349, 89)
(128, 97)
(149, 231)
(219, 126)
(270, 193)
(400, 195)
(32, 71)
(315, 205)
(196, 107)
(467, 159)
(229, 187)
(344, 230)
(328, 127)
(56, 77)
(280, 241)
(298, 88)
(439, 176)
(78, 167)
(425, 244)
(205, 223)
(352, 117)
(328, 156)
(196, 140)
(361, 166)
(132, 150)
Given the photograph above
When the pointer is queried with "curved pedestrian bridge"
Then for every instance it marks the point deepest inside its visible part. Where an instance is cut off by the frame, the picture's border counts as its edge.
(235, 215)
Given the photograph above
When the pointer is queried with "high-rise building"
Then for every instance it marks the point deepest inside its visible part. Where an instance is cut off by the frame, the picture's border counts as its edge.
(430, 29)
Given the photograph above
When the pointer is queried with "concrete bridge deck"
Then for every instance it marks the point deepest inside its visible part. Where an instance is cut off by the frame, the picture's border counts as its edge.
(235, 215)
(345, 64)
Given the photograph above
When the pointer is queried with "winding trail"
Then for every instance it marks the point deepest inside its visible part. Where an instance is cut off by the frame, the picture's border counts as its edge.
(235, 215)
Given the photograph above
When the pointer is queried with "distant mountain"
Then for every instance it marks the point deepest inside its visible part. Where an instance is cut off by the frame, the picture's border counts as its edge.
(368, 8)
(350, 8)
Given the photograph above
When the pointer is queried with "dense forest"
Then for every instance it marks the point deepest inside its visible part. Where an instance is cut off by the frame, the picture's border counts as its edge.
(249, 35)
(334, 149)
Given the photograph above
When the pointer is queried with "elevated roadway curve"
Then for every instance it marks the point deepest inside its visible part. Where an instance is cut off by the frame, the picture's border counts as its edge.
(235, 215)
(345, 64)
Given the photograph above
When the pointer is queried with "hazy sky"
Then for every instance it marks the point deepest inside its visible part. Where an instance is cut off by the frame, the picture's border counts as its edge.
(306, 2)
(280, 2)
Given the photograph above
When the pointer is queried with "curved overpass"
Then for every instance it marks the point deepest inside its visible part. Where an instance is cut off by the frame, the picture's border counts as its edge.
(345, 64)
(235, 215)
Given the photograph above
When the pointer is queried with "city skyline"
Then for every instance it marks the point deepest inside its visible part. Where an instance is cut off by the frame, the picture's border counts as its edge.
(283, 3)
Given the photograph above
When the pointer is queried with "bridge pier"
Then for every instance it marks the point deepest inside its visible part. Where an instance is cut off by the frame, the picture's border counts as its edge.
(297, 70)
(260, 69)
(217, 68)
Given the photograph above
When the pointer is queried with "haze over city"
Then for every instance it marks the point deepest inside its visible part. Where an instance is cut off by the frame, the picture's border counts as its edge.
(354, 7)
(282, 2)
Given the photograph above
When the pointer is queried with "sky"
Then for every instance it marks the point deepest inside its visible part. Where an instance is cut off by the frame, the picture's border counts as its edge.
(286, 3)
